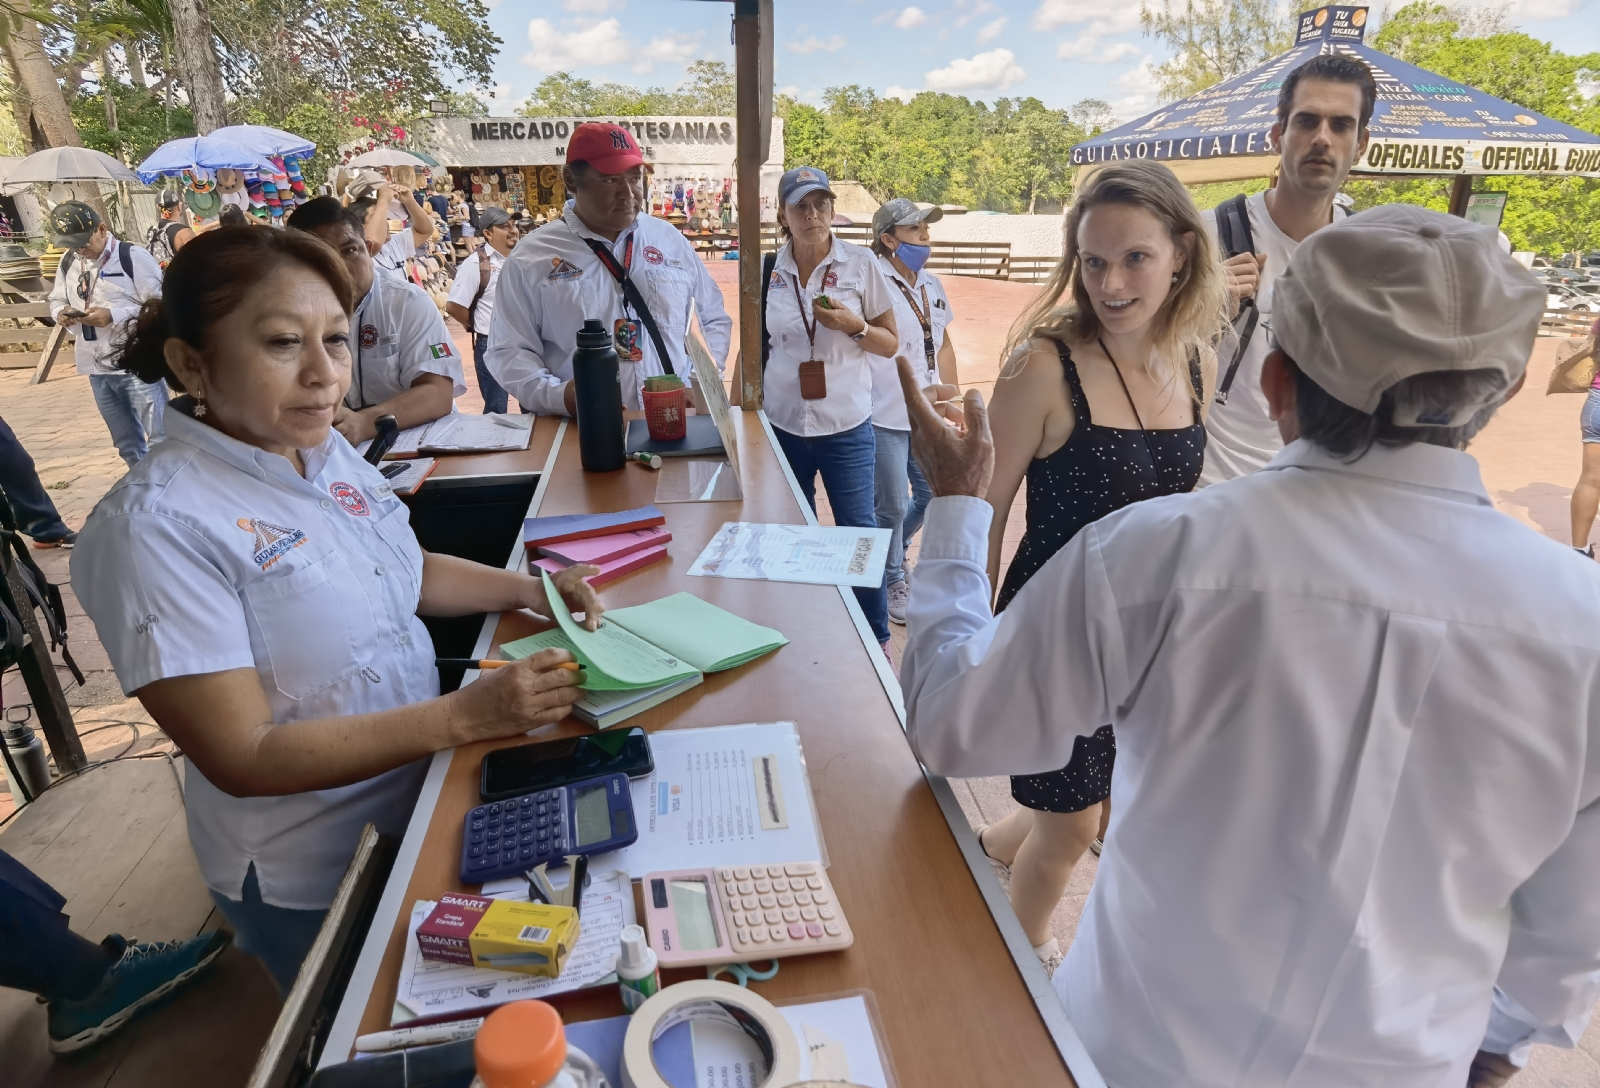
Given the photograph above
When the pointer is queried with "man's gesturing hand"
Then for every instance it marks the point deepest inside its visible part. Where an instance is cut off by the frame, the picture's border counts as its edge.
(953, 463)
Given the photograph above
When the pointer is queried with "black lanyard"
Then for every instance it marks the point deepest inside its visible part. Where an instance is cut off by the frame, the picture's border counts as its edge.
(360, 377)
(924, 318)
(810, 323)
(619, 272)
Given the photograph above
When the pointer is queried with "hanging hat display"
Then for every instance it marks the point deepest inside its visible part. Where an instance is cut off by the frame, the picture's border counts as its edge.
(257, 195)
(297, 183)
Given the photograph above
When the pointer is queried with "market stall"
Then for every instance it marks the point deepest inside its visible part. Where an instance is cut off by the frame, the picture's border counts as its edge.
(515, 163)
(1423, 123)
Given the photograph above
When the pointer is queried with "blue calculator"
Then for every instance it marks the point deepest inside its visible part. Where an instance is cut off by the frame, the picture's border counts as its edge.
(507, 838)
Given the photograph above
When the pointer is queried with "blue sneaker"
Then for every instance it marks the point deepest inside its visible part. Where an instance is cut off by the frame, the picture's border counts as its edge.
(144, 975)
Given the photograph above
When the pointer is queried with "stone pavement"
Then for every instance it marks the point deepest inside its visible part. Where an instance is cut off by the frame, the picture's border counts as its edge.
(1530, 457)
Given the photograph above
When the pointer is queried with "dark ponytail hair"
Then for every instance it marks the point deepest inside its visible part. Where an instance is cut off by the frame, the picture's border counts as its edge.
(208, 279)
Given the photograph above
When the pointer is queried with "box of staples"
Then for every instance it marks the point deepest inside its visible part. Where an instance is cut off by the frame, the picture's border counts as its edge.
(528, 938)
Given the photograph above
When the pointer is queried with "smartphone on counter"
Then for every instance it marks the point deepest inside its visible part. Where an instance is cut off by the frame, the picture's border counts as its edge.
(527, 768)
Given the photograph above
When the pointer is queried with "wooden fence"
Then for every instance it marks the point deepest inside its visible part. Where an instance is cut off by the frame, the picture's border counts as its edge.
(1567, 322)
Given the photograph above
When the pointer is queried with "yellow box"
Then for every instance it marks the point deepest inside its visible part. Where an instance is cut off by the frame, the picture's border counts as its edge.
(528, 938)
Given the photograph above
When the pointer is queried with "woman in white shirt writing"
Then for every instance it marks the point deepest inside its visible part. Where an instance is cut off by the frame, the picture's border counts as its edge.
(1101, 405)
(828, 310)
(257, 586)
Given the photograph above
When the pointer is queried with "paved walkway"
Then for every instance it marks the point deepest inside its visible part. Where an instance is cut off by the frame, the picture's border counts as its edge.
(1530, 457)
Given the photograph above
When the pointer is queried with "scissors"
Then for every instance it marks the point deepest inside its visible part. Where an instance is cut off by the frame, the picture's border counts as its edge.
(742, 973)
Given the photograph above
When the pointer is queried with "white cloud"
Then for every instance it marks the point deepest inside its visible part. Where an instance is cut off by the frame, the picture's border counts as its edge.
(815, 44)
(792, 90)
(904, 94)
(670, 48)
(591, 7)
(554, 50)
(1057, 13)
(991, 31)
(1537, 10)
(1092, 50)
(996, 70)
(910, 17)
(970, 11)
(1140, 84)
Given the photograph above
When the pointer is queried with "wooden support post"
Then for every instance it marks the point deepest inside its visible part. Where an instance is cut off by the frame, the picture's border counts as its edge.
(50, 708)
(1459, 192)
(47, 357)
(747, 31)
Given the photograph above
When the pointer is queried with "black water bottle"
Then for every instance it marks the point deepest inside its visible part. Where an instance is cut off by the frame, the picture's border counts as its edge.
(597, 377)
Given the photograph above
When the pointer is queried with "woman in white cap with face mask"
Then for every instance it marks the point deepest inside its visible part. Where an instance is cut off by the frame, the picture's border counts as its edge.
(921, 314)
(826, 312)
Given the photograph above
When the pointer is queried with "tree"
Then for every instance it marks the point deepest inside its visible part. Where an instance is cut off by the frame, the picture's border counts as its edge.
(50, 121)
(1214, 40)
(197, 62)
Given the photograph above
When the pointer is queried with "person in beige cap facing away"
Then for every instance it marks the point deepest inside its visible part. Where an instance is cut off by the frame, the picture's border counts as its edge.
(1356, 816)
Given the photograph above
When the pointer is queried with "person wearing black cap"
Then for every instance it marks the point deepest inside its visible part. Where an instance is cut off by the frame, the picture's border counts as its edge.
(471, 299)
(169, 235)
(100, 284)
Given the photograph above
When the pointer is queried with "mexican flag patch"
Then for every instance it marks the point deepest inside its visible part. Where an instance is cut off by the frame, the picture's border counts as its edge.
(439, 351)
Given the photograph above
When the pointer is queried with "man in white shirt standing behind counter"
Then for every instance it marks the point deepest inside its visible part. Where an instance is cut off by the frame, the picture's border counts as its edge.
(575, 267)
(1357, 796)
(471, 299)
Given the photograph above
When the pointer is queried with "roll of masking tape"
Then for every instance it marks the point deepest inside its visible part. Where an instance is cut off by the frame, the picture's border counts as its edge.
(706, 1000)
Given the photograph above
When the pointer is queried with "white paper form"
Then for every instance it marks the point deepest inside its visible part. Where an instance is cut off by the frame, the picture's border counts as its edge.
(431, 989)
(702, 806)
(461, 432)
(821, 554)
(836, 1043)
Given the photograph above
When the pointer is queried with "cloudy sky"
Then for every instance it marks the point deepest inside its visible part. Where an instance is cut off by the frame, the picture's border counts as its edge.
(1059, 51)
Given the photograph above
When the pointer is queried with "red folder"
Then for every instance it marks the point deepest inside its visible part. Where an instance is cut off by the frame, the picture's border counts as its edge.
(603, 549)
(614, 569)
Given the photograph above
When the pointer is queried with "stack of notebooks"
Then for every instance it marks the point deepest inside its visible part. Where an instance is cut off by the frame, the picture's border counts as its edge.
(616, 543)
(643, 656)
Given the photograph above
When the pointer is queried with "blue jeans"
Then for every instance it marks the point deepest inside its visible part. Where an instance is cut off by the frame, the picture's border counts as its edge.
(133, 411)
(495, 397)
(845, 461)
(38, 953)
(1589, 418)
(278, 936)
(19, 481)
(896, 469)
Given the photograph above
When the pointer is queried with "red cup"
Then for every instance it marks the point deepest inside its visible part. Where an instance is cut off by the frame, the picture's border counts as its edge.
(667, 414)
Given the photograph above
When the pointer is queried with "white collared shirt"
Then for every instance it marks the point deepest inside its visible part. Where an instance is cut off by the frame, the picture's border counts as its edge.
(391, 259)
(1358, 763)
(553, 282)
(465, 286)
(212, 555)
(397, 335)
(110, 287)
(850, 276)
(888, 399)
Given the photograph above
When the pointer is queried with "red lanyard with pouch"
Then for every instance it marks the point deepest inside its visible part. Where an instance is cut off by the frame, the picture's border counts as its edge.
(925, 319)
(626, 330)
(813, 375)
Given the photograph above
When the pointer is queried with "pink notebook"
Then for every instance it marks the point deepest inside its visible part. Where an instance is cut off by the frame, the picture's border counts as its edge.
(614, 569)
(603, 549)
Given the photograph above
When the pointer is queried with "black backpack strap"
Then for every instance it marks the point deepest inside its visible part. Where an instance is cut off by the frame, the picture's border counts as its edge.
(1234, 238)
(484, 272)
(768, 263)
(630, 291)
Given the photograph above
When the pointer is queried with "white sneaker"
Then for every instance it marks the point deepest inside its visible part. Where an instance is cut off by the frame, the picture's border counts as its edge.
(1002, 871)
(1050, 955)
(898, 593)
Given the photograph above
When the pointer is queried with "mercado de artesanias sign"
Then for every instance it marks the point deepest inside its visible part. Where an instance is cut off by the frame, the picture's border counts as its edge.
(1422, 124)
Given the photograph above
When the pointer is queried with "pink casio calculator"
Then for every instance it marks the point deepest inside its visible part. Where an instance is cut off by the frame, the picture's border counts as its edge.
(744, 913)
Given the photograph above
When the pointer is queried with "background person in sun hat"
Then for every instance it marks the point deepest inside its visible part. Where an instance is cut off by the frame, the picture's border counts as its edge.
(574, 268)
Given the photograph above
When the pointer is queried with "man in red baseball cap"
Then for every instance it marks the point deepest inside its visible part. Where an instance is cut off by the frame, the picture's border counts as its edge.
(604, 258)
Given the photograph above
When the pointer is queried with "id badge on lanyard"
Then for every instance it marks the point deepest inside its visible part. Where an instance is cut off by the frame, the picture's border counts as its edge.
(628, 332)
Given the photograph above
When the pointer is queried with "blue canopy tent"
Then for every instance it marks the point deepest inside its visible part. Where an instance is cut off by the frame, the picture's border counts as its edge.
(1423, 123)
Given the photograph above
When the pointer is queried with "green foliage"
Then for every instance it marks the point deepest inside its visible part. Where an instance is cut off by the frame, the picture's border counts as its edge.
(1543, 215)
(1214, 40)
(707, 90)
(143, 123)
(1209, 196)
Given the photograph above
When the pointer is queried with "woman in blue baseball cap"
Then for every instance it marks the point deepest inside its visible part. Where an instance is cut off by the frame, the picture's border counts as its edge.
(826, 310)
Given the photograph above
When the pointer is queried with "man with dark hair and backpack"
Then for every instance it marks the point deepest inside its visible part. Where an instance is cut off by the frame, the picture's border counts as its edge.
(100, 284)
(172, 233)
(1323, 110)
(471, 300)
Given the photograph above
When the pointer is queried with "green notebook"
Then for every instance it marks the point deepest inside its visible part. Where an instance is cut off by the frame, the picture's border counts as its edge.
(652, 644)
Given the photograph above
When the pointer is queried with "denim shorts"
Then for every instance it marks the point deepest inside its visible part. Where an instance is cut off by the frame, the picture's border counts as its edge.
(1590, 419)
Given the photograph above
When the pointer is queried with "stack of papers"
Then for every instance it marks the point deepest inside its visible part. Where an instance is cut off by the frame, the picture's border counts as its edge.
(537, 532)
(643, 656)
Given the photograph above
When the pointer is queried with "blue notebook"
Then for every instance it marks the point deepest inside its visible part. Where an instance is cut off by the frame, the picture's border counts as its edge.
(537, 532)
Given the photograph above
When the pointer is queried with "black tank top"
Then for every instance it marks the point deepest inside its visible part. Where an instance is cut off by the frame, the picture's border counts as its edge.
(1097, 471)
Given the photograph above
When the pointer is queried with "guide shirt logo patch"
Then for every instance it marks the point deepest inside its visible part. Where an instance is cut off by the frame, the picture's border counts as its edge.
(830, 279)
(653, 255)
(369, 336)
(272, 542)
(562, 269)
(777, 281)
(439, 351)
(349, 499)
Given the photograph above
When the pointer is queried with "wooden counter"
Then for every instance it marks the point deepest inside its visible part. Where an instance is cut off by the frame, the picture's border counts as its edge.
(962, 997)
